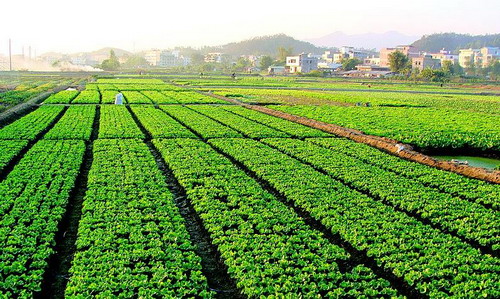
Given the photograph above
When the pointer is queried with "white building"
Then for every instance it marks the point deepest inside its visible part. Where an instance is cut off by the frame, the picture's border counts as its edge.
(153, 57)
(303, 63)
(214, 57)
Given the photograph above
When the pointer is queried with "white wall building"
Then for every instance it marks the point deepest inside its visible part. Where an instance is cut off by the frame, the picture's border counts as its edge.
(303, 63)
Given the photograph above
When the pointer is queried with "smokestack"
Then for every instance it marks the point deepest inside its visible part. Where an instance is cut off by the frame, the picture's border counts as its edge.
(10, 55)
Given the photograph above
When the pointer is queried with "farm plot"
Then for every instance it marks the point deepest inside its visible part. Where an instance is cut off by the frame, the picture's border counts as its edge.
(34, 197)
(131, 239)
(117, 122)
(395, 240)
(180, 197)
(31, 125)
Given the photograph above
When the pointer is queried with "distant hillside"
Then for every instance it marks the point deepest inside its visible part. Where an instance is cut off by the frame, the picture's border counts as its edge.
(105, 51)
(267, 45)
(365, 40)
(455, 41)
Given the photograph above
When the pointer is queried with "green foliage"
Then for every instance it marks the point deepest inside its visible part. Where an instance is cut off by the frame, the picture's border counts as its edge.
(117, 122)
(350, 64)
(76, 123)
(288, 257)
(265, 62)
(112, 63)
(135, 61)
(31, 125)
(131, 239)
(9, 149)
(399, 62)
(454, 42)
(62, 97)
(415, 252)
(420, 126)
(34, 198)
(433, 75)
(159, 124)
(200, 123)
(283, 53)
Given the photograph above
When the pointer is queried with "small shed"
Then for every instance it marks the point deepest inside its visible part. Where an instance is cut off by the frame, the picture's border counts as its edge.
(119, 99)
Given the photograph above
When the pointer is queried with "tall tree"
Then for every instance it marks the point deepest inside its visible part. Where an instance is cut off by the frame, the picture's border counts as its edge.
(398, 62)
(283, 53)
(350, 64)
(265, 62)
(112, 63)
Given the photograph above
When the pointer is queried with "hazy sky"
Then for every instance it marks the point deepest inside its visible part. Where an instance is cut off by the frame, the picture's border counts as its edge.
(71, 26)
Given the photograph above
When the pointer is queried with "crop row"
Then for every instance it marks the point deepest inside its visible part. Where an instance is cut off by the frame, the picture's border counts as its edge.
(88, 97)
(449, 182)
(117, 122)
(76, 123)
(433, 262)
(135, 97)
(9, 149)
(34, 197)
(132, 241)
(62, 97)
(191, 97)
(31, 125)
(158, 97)
(423, 127)
(486, 104)
(206, 127)
(267, 248)
(467, 219)
(159, 124)
(250, 128)
(108, 96)
(286, 126)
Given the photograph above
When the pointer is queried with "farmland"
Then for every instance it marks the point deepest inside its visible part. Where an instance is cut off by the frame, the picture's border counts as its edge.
(178, 193)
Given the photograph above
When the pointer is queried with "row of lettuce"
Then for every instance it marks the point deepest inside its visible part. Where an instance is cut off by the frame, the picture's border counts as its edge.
(133, 93)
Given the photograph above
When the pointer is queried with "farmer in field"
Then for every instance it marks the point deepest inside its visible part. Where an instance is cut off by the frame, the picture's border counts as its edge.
(119, 99)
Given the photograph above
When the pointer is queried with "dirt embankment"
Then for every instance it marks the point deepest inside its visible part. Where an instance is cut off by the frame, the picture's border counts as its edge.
(388, 145)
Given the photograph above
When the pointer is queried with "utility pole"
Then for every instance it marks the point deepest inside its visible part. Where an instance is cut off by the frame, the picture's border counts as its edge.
(10, 55)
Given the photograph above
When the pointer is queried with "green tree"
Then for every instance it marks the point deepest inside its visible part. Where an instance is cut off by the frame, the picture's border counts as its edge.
(265, 62)
(242, 63)
(135, 61)
(283, 53)
(470, 67)
(447, 67)
(399, 62)
(350, 64)
(433, 75)
(112, 63)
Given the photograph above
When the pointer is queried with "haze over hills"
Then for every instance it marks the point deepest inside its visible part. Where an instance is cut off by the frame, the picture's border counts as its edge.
(269, 44)
(365, 40)
(454, 41)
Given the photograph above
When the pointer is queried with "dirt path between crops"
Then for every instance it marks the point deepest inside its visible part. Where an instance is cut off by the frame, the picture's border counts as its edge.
(386, 144)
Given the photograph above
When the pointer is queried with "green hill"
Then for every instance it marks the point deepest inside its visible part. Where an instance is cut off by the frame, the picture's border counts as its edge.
(267, 45)
(455, 41)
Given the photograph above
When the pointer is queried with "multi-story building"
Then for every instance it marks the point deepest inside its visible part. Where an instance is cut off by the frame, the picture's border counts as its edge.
(408, 50)
(424, 62)
(214, 57)
(303, 63)
(489, 55)
(444, 55)
(466, 57)
(153, 57)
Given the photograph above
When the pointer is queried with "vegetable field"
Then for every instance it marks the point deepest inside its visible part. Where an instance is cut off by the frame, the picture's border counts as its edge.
(179, 194)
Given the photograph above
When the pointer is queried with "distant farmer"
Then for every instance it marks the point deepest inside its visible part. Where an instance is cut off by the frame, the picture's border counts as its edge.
(119, 99)
(233, 75)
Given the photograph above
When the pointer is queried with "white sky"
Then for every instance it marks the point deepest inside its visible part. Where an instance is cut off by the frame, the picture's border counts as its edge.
(72, 26)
